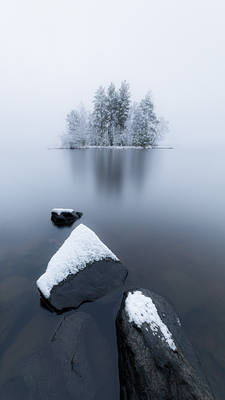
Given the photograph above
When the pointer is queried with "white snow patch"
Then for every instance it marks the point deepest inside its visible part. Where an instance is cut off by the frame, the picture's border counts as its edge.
(81, 248)
(141, 309)
(61, 210)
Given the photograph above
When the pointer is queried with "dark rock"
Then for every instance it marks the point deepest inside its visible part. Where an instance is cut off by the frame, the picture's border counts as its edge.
(70, 362)
(15, 292)
(82, 270)
(148, 367)
(65, 218)
(89, 284)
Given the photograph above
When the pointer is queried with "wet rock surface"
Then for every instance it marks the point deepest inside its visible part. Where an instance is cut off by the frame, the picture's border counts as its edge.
(148, 367)
(89, 284)
(14, 299)
(71, 361)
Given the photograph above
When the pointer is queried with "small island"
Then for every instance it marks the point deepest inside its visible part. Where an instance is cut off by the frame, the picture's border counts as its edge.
(115, 121)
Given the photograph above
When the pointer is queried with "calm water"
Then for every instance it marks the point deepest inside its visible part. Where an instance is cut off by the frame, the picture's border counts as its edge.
(160, 211)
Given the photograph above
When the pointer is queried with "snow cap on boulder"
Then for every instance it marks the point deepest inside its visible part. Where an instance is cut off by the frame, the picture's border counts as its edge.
(59, 211)
(81, 248)
(141, 310)
(156, 360)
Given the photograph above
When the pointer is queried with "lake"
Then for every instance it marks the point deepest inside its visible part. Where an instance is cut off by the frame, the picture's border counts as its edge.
(160, 211)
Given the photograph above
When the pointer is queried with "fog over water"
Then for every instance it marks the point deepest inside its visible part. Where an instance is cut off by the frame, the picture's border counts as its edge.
(161, 211)
(55, 54)
(162, 217)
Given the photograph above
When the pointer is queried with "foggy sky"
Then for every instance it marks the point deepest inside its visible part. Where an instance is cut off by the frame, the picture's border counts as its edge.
(55, 53)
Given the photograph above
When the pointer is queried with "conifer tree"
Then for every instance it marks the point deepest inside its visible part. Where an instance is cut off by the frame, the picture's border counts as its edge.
(76, 128)
(114, 121)
(100, 117)
(72, 120)
(151, 121)
(139, 128)
(123, 107)
(112, 105)
(145, 123)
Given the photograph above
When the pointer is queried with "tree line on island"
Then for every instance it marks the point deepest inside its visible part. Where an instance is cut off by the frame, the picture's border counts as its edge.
(114, 121)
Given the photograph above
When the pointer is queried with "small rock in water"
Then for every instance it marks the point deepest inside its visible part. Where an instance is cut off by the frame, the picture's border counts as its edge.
(83, 269)
(64, 216)
(156, 361)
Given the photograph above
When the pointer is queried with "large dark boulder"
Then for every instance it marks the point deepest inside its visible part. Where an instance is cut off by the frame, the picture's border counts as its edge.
(64, 217)
(156, 361)
(83, 269)
(89, 284)
(71, 361)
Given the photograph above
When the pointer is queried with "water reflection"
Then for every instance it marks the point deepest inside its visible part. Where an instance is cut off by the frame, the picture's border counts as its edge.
(112, 170)
(109, 170)
(139, 166)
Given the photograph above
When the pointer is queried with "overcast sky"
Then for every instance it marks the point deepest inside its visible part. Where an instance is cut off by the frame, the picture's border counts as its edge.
(55, 53)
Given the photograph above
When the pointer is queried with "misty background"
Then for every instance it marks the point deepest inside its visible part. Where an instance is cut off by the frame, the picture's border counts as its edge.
(54, 55)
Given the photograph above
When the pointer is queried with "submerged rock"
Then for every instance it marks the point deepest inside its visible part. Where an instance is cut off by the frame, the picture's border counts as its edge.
(156, 361)
(64, 216)
(15, 292)
(72, 361)
(82, 270)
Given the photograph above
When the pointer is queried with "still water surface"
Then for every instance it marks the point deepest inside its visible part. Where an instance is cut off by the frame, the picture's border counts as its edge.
(160, 211)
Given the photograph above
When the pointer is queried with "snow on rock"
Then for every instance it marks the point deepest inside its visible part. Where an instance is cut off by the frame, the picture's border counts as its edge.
(62, 210)
(64, 216)
(141, 309)
(81, 248)
(150, 365)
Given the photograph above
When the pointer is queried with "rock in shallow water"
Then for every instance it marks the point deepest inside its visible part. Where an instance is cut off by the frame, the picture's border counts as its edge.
(64, 216)
(72, 362)
(82, 270)
(156, 361)
(95, 281)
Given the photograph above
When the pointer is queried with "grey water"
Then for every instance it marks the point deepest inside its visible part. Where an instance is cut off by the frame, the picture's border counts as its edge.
(160, 211)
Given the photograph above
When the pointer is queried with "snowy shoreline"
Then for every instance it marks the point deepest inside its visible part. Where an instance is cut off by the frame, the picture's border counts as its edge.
(114, 148)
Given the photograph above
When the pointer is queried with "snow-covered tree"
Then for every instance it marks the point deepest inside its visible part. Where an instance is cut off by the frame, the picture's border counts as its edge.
(123, 108)
(82, 127)
(115, 121)
(127, 136)
(99, 117)
(124, 104)
(139, 128)
(72, 120)
(90, 133)
(76, 128)
(145, 123)
(162, 129)
(112, 105)
(152, 121)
